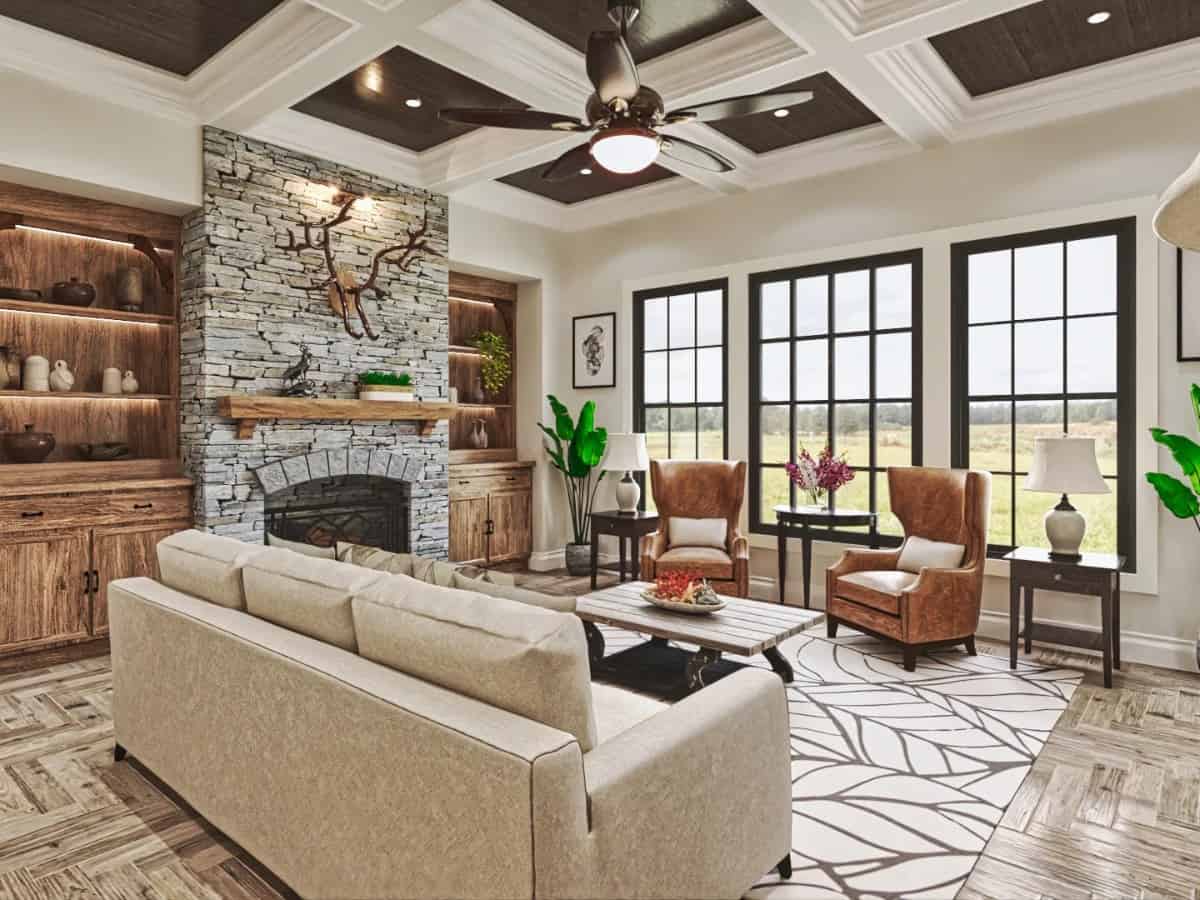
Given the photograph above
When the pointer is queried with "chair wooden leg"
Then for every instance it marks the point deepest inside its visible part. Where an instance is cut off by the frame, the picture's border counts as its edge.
(785, 867)
(831, 625)
(118, 753)
(910, 658)
(970, 642)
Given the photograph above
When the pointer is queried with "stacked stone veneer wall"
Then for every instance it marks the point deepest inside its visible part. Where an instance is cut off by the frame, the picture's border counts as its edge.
(247, 305)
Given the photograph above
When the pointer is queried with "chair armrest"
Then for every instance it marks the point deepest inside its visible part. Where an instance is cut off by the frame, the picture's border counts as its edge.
(693, 802)
(740, 548)
(653, 546)
(943, 604)
(864, 561)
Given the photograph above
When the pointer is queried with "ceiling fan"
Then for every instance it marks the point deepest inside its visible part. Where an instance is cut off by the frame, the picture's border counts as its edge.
(626, 116)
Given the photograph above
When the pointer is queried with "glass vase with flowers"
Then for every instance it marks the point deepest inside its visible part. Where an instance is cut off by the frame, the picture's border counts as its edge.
(820, 478)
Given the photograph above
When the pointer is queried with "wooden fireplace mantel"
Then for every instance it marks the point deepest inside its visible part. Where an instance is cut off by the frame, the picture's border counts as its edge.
(249, 408)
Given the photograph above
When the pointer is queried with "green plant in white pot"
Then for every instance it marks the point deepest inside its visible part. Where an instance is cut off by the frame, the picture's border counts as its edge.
(385, 386)
(575, 449)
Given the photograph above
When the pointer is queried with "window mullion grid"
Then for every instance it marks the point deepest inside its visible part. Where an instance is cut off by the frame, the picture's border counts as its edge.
(793, 349)
(830, 387)
(1065, 387)
(695, 376)
(1012, 386)
(670, 453)
(872, 458)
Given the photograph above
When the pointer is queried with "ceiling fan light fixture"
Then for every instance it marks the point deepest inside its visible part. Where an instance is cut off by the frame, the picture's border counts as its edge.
(625, 151)
(782, 113)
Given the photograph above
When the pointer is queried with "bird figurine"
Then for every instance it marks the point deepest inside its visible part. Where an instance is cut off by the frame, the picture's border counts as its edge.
(129, 384)
(61, 377)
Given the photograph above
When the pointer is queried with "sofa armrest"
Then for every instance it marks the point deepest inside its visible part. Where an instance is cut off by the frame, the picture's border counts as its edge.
(693, 802)
(864, 561)
(942, 604)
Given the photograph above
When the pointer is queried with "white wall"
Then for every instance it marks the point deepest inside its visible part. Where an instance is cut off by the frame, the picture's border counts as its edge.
(1089, 168)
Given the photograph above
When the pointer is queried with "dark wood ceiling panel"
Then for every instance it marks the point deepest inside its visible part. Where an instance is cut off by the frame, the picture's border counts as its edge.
(832, 109)
(175, 35)
(1054, 36)
(372, 100)
(663, 26)
(583, 187)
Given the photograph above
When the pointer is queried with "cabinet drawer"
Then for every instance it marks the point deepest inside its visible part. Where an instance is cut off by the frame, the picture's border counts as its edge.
(82, 510)
(466, 488)
(1062, 577)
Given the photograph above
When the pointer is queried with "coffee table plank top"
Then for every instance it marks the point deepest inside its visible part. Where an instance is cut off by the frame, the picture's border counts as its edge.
(743, 627)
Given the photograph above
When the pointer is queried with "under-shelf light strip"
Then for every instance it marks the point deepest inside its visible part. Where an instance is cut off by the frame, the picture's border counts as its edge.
(74, 234)
(476, 302)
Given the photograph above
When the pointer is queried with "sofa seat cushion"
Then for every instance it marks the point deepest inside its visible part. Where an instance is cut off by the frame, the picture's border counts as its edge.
(708, 561)
(880, 590)
(618, 709)
(305, 594)
(528, 660)
(512, 592)
(207, 566)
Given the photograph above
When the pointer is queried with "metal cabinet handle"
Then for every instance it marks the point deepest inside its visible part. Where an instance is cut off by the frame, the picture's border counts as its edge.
(1058, 576)
(32, 515)
(143, 506)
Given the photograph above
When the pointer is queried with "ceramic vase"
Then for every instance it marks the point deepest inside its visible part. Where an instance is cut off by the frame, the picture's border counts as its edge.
(13, 364)
(61, 378)
(479, 435)
(4, 379)
(37, 373)
(28, 446)
(129, 289)
(129, 384)
(110, 382)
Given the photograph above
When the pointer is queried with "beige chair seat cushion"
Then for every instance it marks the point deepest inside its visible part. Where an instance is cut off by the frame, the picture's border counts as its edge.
(708, 561)
(207, 566)
(305, 594)
(878, 589)
(528, 660)
(618, 709)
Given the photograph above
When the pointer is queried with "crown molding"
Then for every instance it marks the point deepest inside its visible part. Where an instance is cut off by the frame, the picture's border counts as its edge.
(835, 153)
(482, 155)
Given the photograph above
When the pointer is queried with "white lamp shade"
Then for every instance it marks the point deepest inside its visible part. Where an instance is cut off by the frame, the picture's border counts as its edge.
(1178, 218)
(1065, 465)
(625, 453)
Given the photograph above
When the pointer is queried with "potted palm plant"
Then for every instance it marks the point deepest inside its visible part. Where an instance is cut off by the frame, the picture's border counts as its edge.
(575, 449)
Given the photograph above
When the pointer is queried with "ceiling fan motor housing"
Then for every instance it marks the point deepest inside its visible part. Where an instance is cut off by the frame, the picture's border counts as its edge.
(624, 12)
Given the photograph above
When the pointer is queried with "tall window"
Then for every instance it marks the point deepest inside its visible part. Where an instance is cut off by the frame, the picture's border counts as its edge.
(835, 360)
(680, 372)
(1044, 344)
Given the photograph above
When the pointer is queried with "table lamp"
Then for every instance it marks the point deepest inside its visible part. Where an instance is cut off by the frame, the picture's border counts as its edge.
(1065, 465)
(626, 453)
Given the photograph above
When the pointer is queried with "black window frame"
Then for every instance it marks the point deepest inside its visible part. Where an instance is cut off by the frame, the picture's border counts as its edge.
(1125, 230)
(913, 257)
(639, 401)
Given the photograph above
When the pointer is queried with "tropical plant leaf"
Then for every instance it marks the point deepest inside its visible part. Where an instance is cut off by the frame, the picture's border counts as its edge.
(1195, 392)
(554, 452)
(1175, 495)
(1186, 453)
(562, 419)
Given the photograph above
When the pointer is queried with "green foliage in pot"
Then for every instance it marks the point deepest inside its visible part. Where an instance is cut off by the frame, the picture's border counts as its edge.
(497, 360)
(1181, 499)
(389, 379)
(575, 449)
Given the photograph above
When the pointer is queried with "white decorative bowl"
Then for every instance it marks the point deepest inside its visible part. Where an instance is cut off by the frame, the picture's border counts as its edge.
(691, 609)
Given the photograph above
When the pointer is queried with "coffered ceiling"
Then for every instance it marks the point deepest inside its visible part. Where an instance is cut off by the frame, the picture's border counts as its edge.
(332, 77)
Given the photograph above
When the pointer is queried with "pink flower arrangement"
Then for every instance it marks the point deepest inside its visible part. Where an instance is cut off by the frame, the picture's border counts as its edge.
(821, 476)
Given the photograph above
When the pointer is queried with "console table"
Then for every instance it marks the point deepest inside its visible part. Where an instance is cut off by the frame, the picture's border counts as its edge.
(1097, 574)
(806, 517)
(625, 526)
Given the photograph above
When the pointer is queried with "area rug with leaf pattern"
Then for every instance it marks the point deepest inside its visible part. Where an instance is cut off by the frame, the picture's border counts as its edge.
(900, 778)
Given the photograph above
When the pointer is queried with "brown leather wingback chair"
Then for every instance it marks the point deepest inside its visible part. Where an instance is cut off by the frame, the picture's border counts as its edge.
(869, 591)
(701, 489)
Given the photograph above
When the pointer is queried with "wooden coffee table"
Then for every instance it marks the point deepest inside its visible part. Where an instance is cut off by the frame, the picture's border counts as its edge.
(743, 628)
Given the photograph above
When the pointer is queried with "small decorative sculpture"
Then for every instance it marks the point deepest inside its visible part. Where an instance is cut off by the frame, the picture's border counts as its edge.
(301, 385)
(479, 435)
(130, 295)
(110, 381)
(129, 384)
(61, 378)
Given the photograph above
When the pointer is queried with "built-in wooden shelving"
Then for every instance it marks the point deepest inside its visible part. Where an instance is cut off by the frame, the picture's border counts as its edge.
(85, 312)
(81, 395)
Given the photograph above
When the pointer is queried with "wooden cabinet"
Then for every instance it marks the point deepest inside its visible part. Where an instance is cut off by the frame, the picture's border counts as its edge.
(491, 512)
(59, 551)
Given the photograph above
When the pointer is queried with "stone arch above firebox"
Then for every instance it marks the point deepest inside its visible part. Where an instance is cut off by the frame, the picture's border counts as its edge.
(304, 467)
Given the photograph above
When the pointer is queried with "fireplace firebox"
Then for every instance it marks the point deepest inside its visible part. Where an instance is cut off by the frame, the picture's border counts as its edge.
(359, 509)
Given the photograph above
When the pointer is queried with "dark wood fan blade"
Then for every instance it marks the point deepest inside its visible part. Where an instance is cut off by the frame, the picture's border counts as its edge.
(569, 164)
(610, 67)
(694, 155)
(526, 119)
(734, 107)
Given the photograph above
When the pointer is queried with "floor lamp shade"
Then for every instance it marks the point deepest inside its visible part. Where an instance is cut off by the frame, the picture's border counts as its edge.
(1065, 466)
(626, 453)
(1178, 218)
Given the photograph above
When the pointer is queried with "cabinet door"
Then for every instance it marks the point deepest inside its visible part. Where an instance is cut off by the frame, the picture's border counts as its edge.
(125, 551)
(468, 529)
(44, 588)
(511, 513)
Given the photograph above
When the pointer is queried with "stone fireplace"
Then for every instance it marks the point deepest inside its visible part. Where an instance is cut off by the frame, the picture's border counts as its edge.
(247, 305)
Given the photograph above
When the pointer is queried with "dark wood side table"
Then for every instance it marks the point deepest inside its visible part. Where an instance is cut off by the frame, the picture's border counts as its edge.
(1097, 574)
(624, 526)
(806, 518)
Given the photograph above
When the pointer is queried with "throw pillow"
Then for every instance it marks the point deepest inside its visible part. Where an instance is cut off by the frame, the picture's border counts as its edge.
(683, 532)
(919, 553)
(300, 547)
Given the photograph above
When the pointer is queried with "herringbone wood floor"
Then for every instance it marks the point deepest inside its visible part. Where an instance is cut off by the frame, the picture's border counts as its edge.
(1111, 809)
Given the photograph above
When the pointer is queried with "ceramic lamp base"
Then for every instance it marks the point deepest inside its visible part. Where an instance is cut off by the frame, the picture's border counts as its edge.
(628, 495)
(1065, 528)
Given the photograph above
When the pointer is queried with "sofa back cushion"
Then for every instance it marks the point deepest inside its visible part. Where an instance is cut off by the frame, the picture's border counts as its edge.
(206, 565)
(525, 659)
(512, 592)
(274, 540)
(683, 532)
(307, 595)
(375, 558)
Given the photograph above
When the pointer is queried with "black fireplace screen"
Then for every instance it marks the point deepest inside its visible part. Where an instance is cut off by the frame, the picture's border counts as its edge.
(360, 509)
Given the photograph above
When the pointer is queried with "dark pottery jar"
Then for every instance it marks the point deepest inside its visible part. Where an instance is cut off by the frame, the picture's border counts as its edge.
(28, 446)
(73, 293)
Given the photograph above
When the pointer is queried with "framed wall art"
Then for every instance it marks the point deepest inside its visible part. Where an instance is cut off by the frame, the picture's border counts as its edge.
(594, 351)
(1187, 306)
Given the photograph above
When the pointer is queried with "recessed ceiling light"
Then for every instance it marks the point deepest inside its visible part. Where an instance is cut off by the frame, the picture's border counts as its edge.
(585, 171)
(413, 102)
(1099, 18)
(782, 113)
(372, 78)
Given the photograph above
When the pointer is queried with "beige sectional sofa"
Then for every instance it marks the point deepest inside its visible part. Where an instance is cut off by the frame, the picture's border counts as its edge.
(367, 735)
